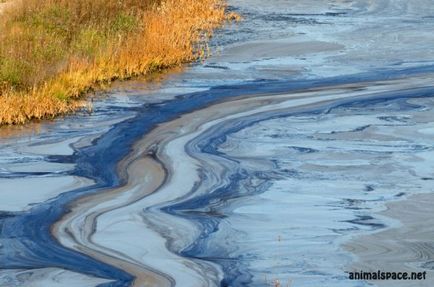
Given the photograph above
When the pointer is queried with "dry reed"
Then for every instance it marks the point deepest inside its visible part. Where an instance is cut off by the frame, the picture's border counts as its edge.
(52, 52)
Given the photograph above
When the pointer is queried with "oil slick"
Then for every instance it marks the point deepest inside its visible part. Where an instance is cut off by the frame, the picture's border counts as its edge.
(242, 184)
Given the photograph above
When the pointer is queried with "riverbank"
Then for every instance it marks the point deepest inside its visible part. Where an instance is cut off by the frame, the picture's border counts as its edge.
(277, 192)
(53, 53)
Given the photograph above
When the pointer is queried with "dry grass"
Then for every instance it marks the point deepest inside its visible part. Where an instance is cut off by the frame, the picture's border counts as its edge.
(52, 52)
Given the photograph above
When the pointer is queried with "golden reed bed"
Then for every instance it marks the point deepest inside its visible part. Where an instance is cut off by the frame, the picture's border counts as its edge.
(52, 52)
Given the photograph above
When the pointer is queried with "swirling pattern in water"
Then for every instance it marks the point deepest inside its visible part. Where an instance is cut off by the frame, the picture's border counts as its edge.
(243, 184)
(260, 188)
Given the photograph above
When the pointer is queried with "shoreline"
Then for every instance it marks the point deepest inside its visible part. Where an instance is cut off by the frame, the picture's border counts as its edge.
(82, 69)
(274, 200)
(159, 117)
(348, 89)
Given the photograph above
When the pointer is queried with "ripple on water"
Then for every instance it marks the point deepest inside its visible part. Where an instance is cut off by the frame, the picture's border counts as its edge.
(346, 163)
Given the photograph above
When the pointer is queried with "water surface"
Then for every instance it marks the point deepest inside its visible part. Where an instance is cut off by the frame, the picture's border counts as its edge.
(267, 163)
